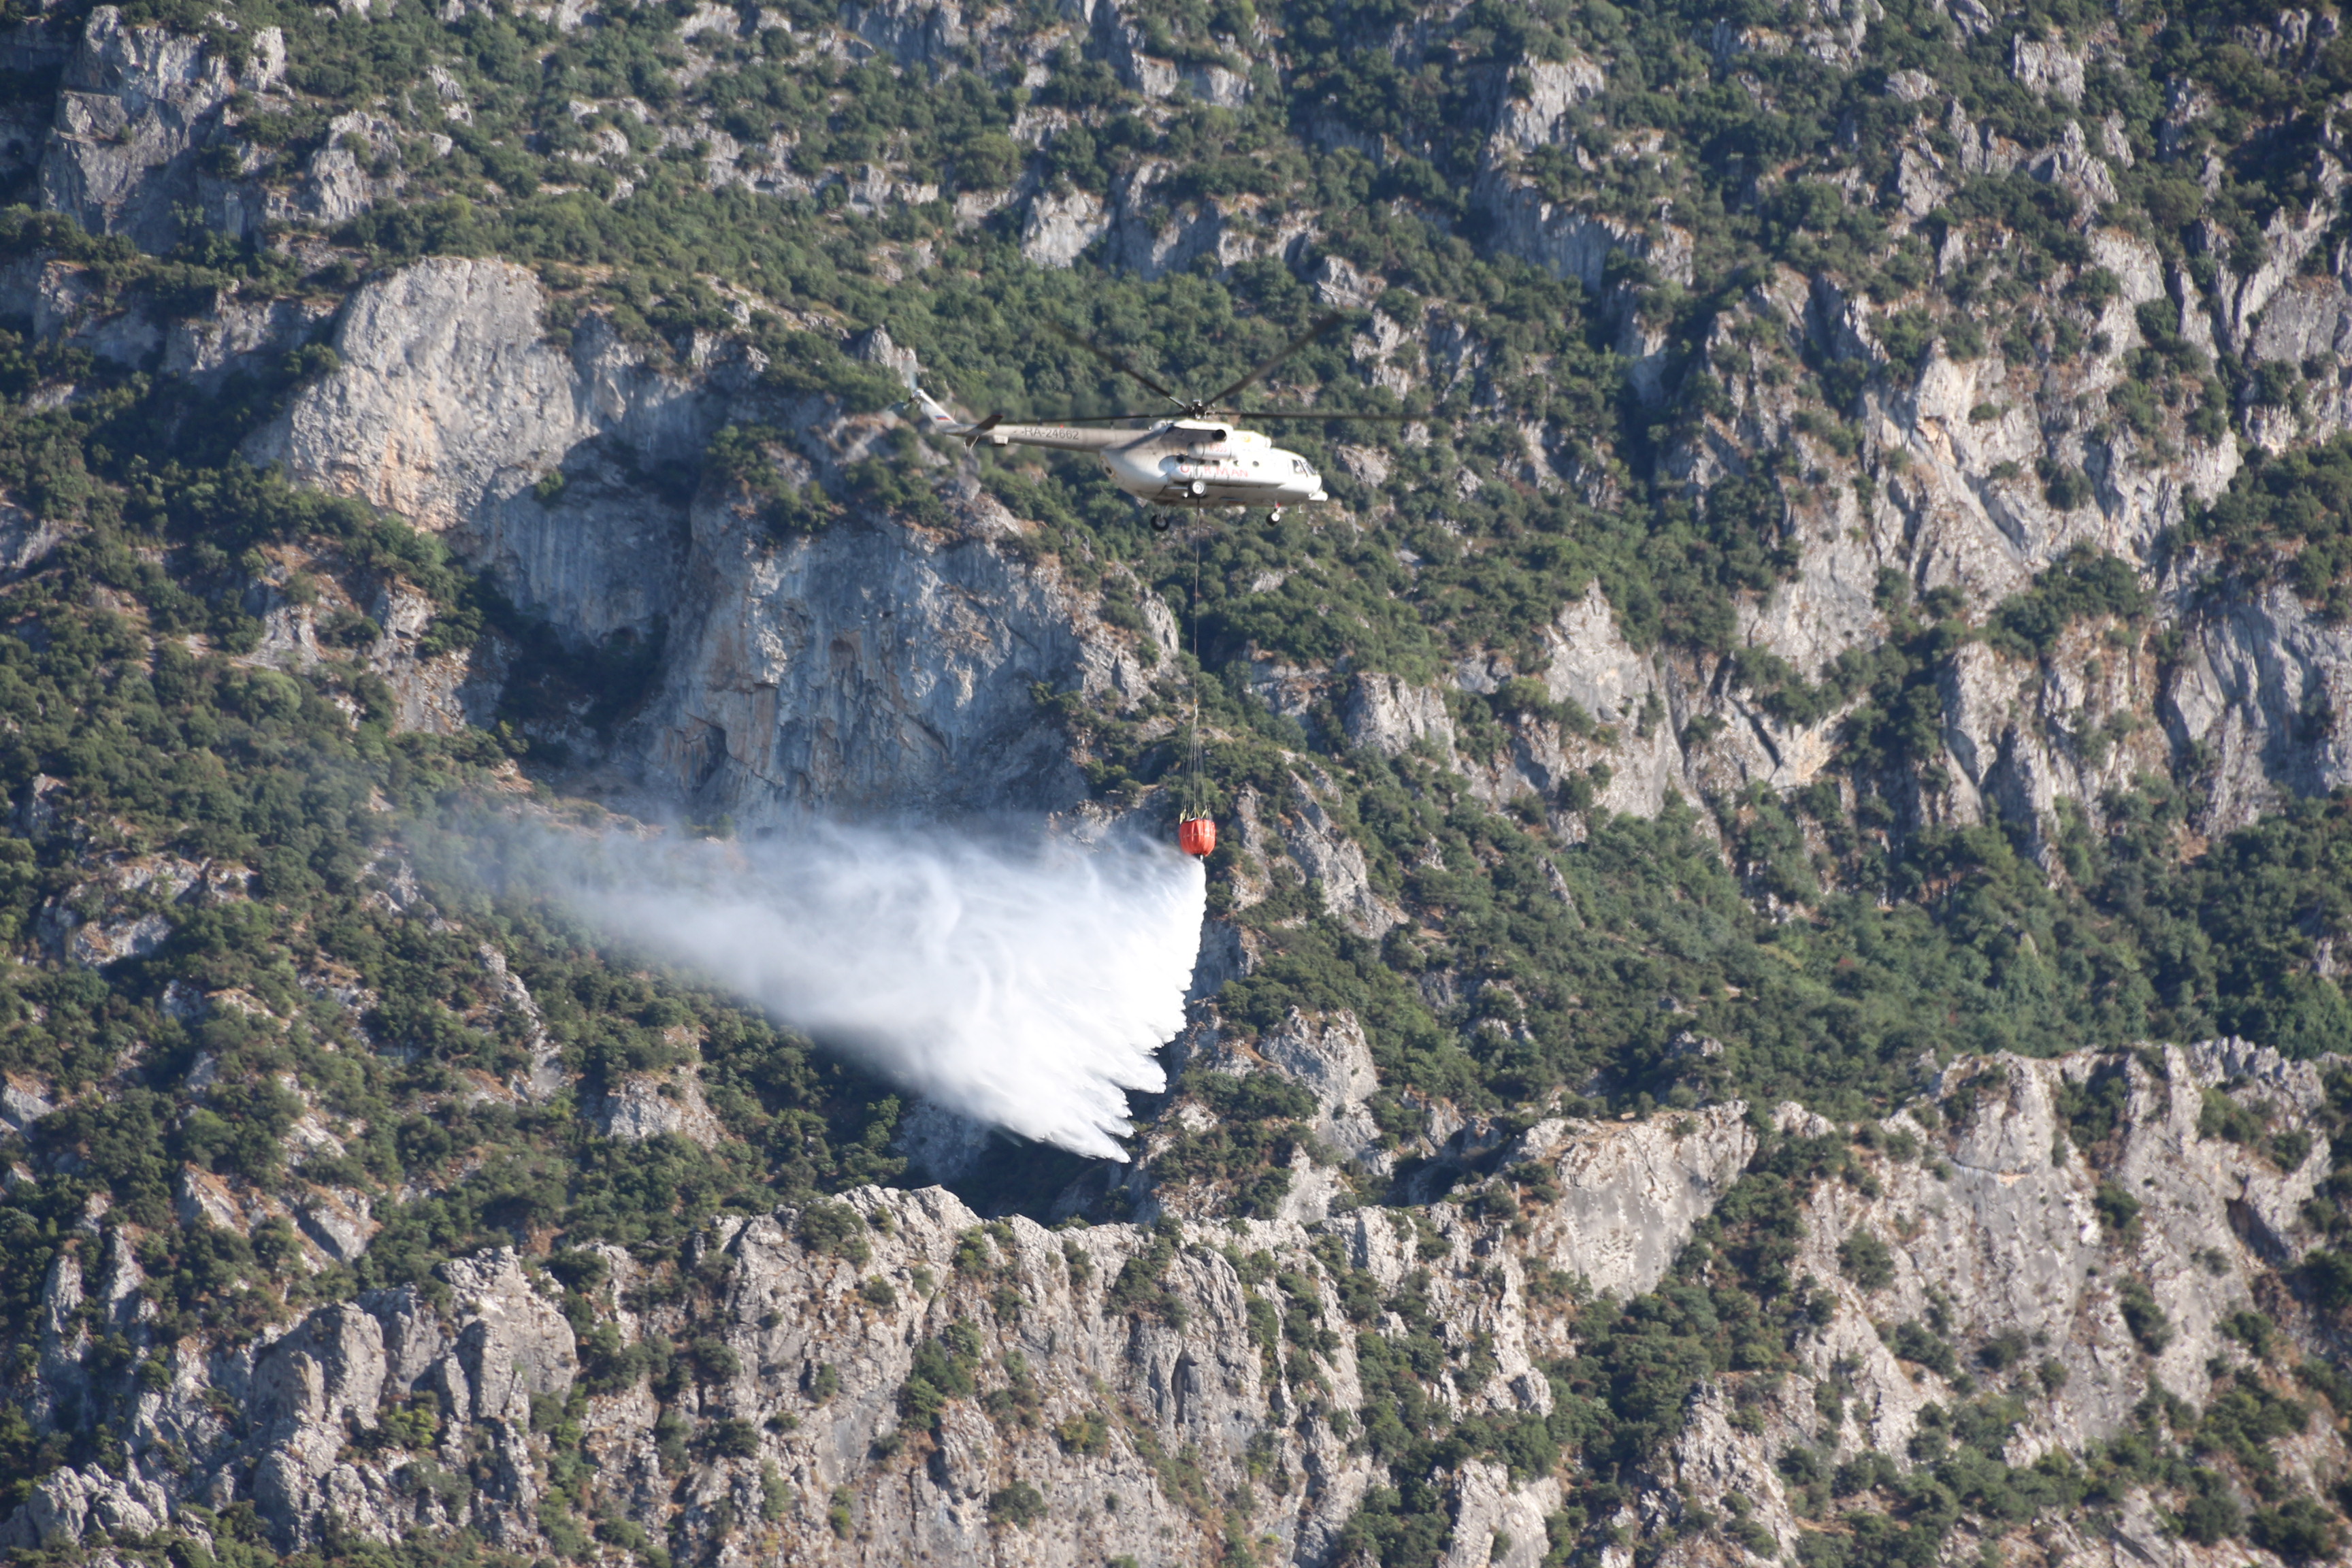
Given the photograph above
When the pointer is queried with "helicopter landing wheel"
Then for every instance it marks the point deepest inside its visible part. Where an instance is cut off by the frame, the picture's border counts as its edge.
(1162, 522)
(1275, 516)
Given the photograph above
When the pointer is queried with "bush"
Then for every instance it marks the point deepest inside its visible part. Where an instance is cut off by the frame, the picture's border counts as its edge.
(1914, 1341)
(1086, 1433)
(2082, 584)
(2288, 517)
(2065, 487)
(733, 1438)
(944, 1368)
(2298, 1530)
(2220, 1116)
(2211, 1515)
(2118, 1211)
(2147, 1320)
(2328, 1276)
(1020, 1504)
(836, 1230)
(1865, 1260)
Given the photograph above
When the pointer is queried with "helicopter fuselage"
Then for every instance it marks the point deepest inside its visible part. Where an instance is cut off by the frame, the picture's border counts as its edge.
(1176, 462)
(1185, 464)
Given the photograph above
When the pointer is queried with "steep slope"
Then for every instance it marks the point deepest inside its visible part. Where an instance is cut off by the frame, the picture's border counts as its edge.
(889, 1377)
(1851, 622)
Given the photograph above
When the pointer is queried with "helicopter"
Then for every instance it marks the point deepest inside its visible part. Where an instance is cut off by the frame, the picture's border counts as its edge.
(1193, 458)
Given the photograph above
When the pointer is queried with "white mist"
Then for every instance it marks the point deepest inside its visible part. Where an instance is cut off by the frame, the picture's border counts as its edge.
(1025, 987)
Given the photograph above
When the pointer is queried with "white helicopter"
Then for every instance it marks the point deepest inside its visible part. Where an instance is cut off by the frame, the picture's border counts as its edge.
(1193, 459)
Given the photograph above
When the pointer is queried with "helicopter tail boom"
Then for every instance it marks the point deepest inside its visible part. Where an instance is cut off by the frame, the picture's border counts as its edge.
(929, 414)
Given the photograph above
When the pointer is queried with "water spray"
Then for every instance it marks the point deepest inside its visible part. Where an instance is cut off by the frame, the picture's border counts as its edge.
(1026, 987)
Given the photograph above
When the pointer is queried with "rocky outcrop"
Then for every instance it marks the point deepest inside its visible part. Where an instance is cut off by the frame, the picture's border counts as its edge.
(1121, 1360)
(1630, 1196)
(1391, 716)
(875, 668)
(1572, 242)
(68, 1504)
(641, 1106)
(2007, 1231)
(130, 906)
(1061, 225)
(139, 108)
(872, 668)
(2261, 698)
(1523, 123)
(450, 405)
(348, 174)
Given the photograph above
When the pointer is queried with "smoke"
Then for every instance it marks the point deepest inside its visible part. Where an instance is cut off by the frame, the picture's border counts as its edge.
(1027, 987)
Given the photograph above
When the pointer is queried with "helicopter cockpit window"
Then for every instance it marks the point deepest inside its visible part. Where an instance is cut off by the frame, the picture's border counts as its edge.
(1297, 465)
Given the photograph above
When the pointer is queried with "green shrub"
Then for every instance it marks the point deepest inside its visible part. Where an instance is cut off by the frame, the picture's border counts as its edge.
(1020, 1505)
(2299, 1530)
(2118, 1214)
(1865, 1260)
(836, 1230)
(944, 1369)
(2147, 1321)
(733, 1438)
(2080, 585)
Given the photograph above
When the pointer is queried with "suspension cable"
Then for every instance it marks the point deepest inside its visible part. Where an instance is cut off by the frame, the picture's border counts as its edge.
(1193, 781)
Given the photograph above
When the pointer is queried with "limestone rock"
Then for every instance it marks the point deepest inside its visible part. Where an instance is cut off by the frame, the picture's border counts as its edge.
(1989, 1221)
(1334, 865)
(1631, 1192)
(338, 181)
(236, 335)
(23, 1102)
(1553, 88)
(2262, 690)
(140, 105)
(517, 1342)
(1495, 1522)
(338, 1221)
(66, 1504)
(870, 670)
(873, 668)
(25, 541)
(1332, 1060)
(1390, 716)
(449, 406)
(912, 32)
(1572, 243)
(2047, 67)
(1060, 226)
(444, 384)
(642, 1106)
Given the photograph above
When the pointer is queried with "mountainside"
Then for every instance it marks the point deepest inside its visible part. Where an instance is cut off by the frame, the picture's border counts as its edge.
(1774, 981)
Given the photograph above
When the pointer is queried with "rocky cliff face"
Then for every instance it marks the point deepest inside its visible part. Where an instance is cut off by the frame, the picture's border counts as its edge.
(817, 673)
(2087, 1248)
(454, 408)
(139, 108)
(893, 1377)
(880, 667)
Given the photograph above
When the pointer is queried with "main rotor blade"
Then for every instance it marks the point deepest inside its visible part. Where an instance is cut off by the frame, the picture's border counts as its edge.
(1297, 343)
(1316, 414)
(1117, 361)
(1088, 418)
